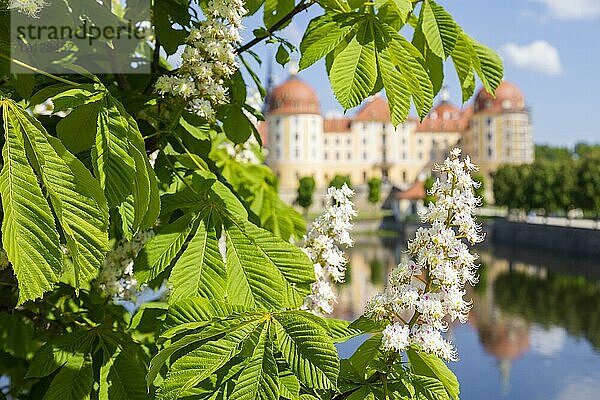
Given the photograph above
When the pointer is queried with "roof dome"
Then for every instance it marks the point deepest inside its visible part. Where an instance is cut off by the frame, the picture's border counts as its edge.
(293, 96)
(508, 98)
(375, 108)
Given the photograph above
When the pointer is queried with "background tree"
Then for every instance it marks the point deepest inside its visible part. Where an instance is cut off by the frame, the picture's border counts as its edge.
(545, 152)
(588, 185)
(374, 190)
(539, 187)
(339, 180)
(583, 150)
(306, 191)
(564, 188)
(509, 186)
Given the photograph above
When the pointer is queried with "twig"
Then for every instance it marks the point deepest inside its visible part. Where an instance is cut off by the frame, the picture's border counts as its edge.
(303, 5)
(39, 71)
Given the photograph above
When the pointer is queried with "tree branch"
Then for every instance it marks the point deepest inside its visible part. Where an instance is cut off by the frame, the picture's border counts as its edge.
(303, 5)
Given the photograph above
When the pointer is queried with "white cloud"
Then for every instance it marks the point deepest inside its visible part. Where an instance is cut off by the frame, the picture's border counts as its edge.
(579, 388)
(572, 9)
(538, 56)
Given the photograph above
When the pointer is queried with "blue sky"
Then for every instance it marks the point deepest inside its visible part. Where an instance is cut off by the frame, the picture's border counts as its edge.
(551, 50)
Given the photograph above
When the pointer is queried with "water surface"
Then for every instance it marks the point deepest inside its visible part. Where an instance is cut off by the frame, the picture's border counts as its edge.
(534, 330)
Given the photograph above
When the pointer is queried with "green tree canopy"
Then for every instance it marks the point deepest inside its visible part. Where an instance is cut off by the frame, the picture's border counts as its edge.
(374, 190)
(339, 180)
(306, 191)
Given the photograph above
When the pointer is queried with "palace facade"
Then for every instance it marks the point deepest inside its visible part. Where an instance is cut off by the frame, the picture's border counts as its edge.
(302, 142)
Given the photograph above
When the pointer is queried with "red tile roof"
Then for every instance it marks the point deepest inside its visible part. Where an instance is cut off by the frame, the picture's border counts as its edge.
(415, 192)
(445, 117)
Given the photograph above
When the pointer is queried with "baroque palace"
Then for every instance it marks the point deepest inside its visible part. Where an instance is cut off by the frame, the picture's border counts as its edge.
(301, 142)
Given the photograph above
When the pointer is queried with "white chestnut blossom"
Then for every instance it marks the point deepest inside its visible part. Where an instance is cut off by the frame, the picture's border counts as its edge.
(322, 245)
(395, 337)
(116, 276)
(425, 293)
(27, 7)
(208, 60)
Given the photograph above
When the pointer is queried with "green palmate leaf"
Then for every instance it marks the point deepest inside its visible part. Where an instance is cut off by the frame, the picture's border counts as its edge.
(164, 247)
(142, 207)
(278, 217)
(396, 88)
(429, 388)
(394, 12)
(363, 393)
(160, 251)
(65, 97)
(77, 131)
(439, 29)
(259, 379)
(29, 235)
(307, 397)
(189, 340)
(193, 340)
(199, 364)
(461, 57)
(257, 185)
(410, 63)
(74, 381)
(323, 34)
(122, 375)
(431, 366)
(113, 163)
(199, 309)
(289, 386)
(17, 333)
(470, 57)
(76, 198)
(200, 132)
(366, 353)
(340, 330)
(307, 349)
(354, 69)
(148, 317)
(282, 56)
(200, 270)
(56, 353)
(488, 65)
(250, 281)
(264, 270)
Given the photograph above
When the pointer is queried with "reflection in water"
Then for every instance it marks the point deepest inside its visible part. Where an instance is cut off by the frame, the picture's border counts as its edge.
(528, 308)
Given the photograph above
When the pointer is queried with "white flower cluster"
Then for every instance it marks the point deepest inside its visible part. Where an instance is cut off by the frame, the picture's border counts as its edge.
(423, 294)
(27, 7)
(116, 276)
(208, 59)
(322, 245)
